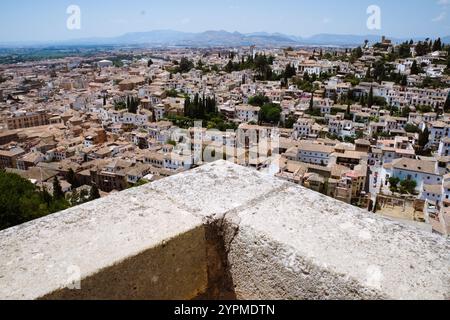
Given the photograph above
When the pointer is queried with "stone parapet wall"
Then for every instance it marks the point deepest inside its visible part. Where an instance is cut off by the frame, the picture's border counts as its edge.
(221, 231)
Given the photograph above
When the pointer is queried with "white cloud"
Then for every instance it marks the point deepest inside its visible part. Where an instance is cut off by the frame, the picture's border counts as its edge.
(445, 4)
(326, 20)
(441, 16)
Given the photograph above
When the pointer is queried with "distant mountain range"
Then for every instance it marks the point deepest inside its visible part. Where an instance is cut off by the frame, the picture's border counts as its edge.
(228, 39)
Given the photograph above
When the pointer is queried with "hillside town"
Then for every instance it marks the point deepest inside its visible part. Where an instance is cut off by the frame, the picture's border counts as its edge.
(369, 126)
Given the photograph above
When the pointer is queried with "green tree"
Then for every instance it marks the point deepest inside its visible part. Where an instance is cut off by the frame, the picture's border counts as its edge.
(447, 104)
(348, 113)
(358, 53)
(289, 71)
(141, 182)
(311, 103)
(229, 67)
(200, 65)
(306, 77)
(270, 113)
(74, 198)
(424, 108)
(404, 81)
(370, 98)
(46, 196)
(20, 201)
(368, 74)
(379, 101)
(422, 48)
(118, 63)
(185, 65)
(408, 186)
(379, 70)
(262, 66)
(411, 128)
(71, 178)
(171, 142)
(424, 138)
(187, 103)
(120, 105)
(437, 46)
(95, 193)
(415, 68)
(289, 123)
(258, 100)
(172, 93)
(404, 50)
(405, 112)
(393, 182)
(349, 96)
(362, 100)
(132, 104)
(57, 190)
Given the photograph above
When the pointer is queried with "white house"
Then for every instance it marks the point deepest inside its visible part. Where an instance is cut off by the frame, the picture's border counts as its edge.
(431, 193)
(175, 161)
(314, 153)
(438, 131)
(444, 147)
(423, 172)
(341, 128)
(303, 128)
(247, 113)
(159, 111)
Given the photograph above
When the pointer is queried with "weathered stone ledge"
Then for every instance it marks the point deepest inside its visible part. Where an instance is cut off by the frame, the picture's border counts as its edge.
(221, 231)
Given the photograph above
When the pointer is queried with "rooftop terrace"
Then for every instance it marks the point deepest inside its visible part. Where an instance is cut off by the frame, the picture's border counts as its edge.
(221, 231)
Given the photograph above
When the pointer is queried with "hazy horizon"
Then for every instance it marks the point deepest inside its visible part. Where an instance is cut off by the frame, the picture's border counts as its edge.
(29, 21)
(75, 40)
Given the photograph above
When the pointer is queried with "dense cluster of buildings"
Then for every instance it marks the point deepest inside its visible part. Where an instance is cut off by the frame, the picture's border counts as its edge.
(74, 117)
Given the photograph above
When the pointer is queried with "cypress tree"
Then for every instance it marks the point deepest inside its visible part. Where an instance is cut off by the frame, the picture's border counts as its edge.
(187, 103)
(196, 98)
(404, 81)
(311, 103)
(95, 193)
(46, 197)
(370, 98)
(447, 104)
(362, 100)
(71, 178)
(368, 73)
(414, 68)
(424, 138)
(57, 189)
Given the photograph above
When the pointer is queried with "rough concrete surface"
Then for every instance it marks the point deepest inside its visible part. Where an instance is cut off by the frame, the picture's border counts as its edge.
(309, 246)
(222, 231)
(103, 241)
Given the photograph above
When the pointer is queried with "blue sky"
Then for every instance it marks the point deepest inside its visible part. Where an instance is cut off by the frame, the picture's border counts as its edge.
(43, 20)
